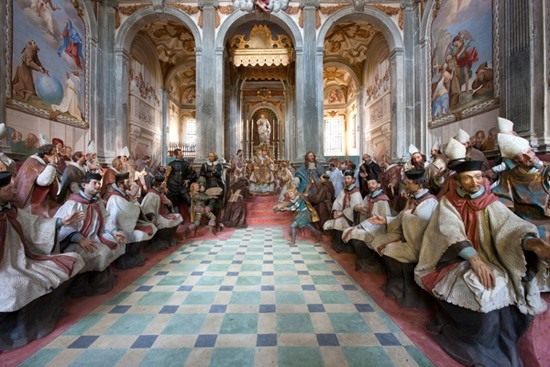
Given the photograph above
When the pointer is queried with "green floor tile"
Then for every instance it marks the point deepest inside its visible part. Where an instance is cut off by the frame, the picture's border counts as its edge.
(172, 280)
(289, 298)
(185, 267)
(83, 325)
(165, 357)
(41, 358)
(277, 257)
(324, 279)
(317, 267)
(311, 257)
(223, 258)
(367, 357)
(255, 249)
(155, 298)
(118, 299)
(181, 324)
(239, 323)
(130, 325)
(210, 280)
(141, 280)
(254, 257)
(232, 357)
(294, 323)
(334, 297)
(200, 298)
(251, 267)
(286, 280)
(246, 280)
(218, 267)
(348, 323)
(245, 298)
(91, 358)
(193, 257)
(284, 267)
(299, 357)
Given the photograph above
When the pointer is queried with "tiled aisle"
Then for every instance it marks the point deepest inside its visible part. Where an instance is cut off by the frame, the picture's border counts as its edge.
(248, 301)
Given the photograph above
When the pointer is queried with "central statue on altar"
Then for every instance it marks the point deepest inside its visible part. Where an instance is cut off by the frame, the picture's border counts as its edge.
(261, 172)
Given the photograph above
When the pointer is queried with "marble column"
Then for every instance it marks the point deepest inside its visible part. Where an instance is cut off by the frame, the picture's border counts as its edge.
(209, 104)
(410, 130)
(3, 51)
(309, 109)
(165, 110)
(111, 128)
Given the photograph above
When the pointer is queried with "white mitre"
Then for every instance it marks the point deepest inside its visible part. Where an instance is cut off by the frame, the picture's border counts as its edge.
(511, 145)
(124, 152)
(91, 147)
(413, 149)
(455, 150)
(505, 125)
(462, 136)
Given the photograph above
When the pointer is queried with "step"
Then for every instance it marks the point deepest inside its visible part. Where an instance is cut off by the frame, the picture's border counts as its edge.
(268, 220)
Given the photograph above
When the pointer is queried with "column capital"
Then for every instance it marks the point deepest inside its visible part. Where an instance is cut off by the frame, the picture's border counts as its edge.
(208, 4)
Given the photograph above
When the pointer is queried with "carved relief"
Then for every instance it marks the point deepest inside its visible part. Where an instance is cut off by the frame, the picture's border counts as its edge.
(380, 111)
(226, 9)
(329, 10)
(145, 113)
(389, 10)
(292, 10)
(129, 10)
(191, 10)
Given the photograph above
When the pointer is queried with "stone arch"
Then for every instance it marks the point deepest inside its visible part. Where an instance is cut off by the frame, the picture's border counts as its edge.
(236, 19)
(282, 19)
(136, 21)
(395, 42)
(388, 28)
(269, 106)
(123, 42)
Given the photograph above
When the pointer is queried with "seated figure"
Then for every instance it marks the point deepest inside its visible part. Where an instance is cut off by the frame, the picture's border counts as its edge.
(401, 244)
(261, 178)
(158, 209)
(32, 285)
(480, 262)
(126, 215)
(95, 238)
(36, 182)
(376, 203)
(343, 212)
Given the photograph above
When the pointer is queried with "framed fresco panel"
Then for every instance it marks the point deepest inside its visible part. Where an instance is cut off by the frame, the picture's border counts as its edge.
(46, 63)
(464, 60)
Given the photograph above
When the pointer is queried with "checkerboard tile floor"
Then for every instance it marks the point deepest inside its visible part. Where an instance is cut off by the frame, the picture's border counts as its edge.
(248, 301)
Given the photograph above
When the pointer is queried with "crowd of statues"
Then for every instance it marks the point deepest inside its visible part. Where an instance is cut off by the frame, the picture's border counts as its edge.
(452, 231)
(455, 234)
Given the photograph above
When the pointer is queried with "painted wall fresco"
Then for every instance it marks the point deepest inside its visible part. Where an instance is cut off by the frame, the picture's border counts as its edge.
(48, 60)
(461, 59)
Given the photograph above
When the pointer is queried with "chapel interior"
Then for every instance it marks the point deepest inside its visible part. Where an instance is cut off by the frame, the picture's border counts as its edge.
(147, 79)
